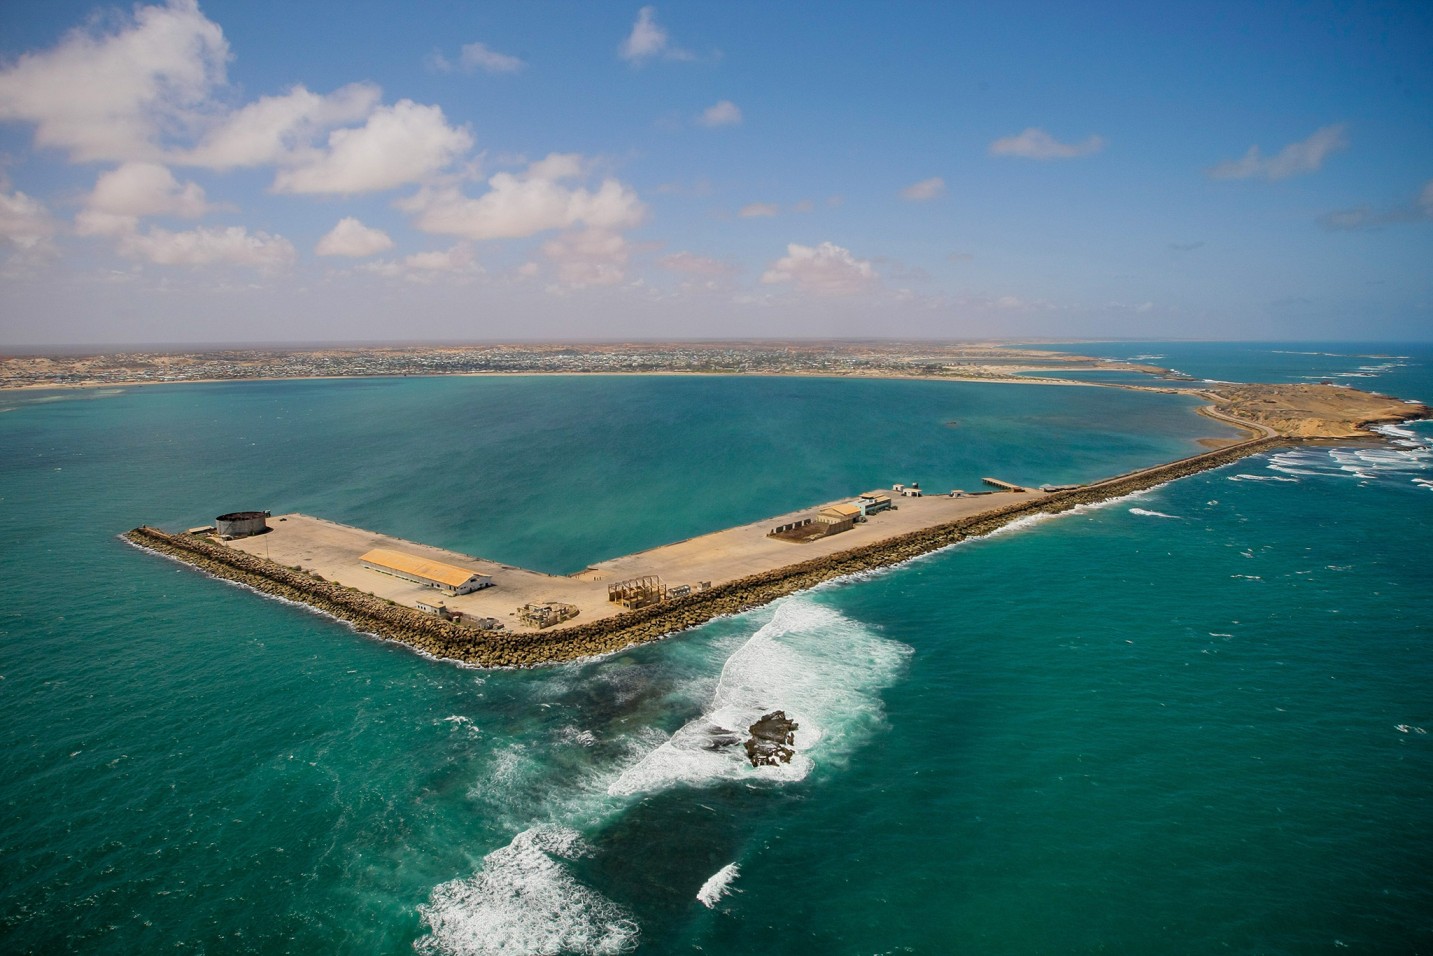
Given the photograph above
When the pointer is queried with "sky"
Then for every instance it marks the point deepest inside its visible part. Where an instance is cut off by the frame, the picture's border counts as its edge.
(257, 171)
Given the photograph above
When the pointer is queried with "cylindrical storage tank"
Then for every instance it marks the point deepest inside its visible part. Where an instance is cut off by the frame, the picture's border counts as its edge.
(241, 524)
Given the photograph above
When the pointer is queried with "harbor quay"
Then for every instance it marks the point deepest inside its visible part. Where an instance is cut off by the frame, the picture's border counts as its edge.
(463, 608)
(335, 552)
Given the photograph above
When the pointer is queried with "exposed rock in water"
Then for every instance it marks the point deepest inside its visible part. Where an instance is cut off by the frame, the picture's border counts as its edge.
(771, 739)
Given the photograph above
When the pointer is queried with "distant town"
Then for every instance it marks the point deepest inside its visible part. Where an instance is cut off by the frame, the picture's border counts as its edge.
(853, 358)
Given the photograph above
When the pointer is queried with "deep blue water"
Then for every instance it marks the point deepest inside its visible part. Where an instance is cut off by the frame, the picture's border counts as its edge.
(1193, 720)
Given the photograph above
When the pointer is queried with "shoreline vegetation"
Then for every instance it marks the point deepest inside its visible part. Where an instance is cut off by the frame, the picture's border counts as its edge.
(443, 640)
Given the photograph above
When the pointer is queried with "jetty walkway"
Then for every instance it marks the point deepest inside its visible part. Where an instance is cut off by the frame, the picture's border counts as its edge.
(316, 562)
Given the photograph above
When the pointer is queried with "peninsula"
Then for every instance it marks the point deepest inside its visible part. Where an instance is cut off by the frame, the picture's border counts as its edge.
(479, 612)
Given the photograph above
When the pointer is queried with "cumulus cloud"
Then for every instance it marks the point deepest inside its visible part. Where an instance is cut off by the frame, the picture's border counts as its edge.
(827, 269)
(591, 257)
(757, 210)
(426, 267)
(1035, 143)
(352, 238)
(25, 223)
(274, 130)
(1305, 156)
(147, 189)
(144, 91)
(724, 113)
(524, 204)
(234, 245)
(402, 143)
(924, 190)
(122, 196)
(648, 40)
(108, 97)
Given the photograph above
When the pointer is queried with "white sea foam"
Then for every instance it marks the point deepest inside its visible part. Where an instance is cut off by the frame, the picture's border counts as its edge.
(1145, 512)
(525, 900)
(1406, 456)
(465, 724)
(823, 669)
(576, 735)
(1261, 478)
(718, 885)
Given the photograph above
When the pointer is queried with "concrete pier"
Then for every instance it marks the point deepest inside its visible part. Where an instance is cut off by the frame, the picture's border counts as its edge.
(314, 561)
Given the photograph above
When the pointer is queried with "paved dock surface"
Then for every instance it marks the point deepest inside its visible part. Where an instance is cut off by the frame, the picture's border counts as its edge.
(332, 550)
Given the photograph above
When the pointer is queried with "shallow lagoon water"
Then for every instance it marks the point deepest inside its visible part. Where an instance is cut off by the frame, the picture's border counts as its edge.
(1193, 720)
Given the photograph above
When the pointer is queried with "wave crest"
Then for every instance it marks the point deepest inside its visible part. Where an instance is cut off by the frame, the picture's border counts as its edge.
(823, 669)
(524, 900)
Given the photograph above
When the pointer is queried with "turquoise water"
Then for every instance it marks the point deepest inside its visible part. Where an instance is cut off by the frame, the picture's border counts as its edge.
(1193, 720)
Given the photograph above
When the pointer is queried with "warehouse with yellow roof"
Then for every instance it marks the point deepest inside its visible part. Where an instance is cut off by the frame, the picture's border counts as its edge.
(432, 574)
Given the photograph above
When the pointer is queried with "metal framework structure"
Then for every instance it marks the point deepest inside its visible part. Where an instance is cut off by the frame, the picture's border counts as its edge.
(637, 592)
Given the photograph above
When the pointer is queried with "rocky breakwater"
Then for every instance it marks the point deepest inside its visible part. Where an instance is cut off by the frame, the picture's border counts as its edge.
(444, 639)
(363, 611)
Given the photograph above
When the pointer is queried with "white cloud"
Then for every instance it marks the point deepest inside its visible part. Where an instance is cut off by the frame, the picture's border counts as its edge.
(425, 267)
(924, 190)
(1035, 143)
(827, 269)
(402, 143)
(523, 204)
(121, 196)
(724, 113)
(688, 263)
(147, 189)
(592, 257)
(25, 223)
(1305, 156)
(110, 96)
(274, 130)
(648, 40)
(757, 210)
(352, 238)
(478, 56)
(234, 245)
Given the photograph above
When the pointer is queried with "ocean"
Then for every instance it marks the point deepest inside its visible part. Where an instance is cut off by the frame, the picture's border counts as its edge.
(1195, 719)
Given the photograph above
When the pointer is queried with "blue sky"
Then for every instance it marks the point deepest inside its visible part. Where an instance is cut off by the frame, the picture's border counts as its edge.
(260, 171)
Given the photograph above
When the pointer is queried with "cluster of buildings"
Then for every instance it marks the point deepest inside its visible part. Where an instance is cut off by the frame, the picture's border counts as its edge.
(836, 358)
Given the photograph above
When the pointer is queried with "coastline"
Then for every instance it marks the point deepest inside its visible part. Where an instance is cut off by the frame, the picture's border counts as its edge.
(443, 640)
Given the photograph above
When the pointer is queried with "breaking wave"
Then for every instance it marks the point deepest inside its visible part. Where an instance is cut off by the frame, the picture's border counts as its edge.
(823, 669)
(718, 885)
(525, 900)
(1151, 514)
(1407, 455)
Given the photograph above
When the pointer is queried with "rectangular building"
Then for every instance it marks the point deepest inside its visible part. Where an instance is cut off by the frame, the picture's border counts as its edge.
(874, 502)
(838, 518)
(429, 573)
